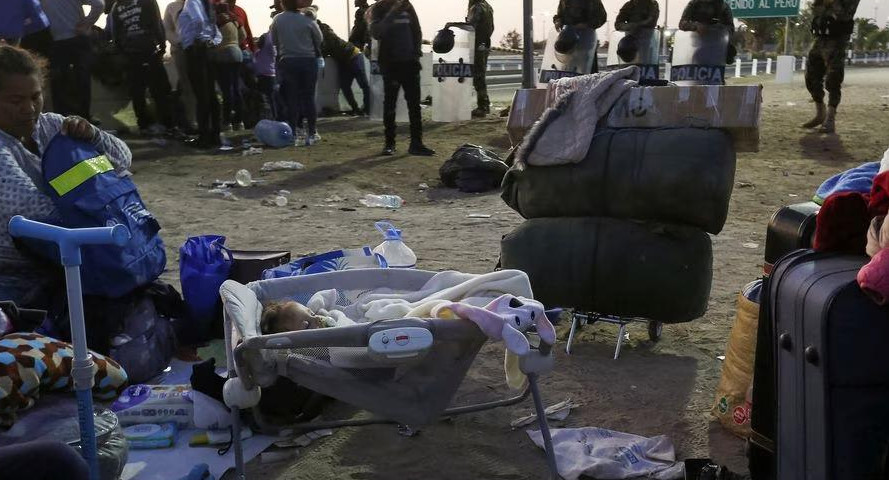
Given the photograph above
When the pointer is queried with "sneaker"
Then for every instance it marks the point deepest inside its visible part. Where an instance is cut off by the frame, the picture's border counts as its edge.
(313, 139)
(480, 112)
(421, 150)
(388, 150)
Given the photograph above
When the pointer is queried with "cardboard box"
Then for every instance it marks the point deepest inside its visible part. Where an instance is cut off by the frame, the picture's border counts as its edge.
(734, 108)
(527, 106)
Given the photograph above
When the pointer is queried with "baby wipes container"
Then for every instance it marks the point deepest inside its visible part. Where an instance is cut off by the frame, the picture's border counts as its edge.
(393, 249)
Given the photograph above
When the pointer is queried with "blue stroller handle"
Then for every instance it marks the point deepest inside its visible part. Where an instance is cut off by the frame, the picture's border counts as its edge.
(69, 241)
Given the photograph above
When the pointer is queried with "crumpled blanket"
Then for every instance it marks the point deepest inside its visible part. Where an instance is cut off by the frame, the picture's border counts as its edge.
(565, 130)
(450, 286)
(609, 455)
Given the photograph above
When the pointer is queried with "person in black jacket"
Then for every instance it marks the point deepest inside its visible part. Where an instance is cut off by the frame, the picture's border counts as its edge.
(395, 24)
(350, 65)
(582, 15)
(481, 16)
(700, 15)
(358, 36)
(138, 31)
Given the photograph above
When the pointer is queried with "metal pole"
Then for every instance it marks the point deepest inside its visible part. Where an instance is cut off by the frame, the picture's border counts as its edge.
(348, 18)
(666, 26)
(528, 56)
(787, 36)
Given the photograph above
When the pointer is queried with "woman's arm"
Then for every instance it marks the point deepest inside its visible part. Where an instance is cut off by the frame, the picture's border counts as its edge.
(20, 195)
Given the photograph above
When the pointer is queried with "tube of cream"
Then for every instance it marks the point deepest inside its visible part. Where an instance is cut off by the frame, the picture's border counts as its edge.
(216, 437)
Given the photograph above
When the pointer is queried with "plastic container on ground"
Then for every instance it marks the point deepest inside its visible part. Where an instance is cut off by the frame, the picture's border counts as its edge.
(243, 178)
(382, 201)
(274, 134)
(393, 249)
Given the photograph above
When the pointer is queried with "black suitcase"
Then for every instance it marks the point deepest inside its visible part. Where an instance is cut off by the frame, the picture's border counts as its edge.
(791, 228)
(822, 403)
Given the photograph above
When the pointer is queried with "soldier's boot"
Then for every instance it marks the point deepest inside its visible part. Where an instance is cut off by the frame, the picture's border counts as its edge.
(819, 117)
(829, 125)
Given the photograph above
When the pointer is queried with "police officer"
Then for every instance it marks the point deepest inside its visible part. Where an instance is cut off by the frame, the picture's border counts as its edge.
(832, 25)
(700, 15)
(581, 14)
(358, 35)
(481, 17)
(637, 14)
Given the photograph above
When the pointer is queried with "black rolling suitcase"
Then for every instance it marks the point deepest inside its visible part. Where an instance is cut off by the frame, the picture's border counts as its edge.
(791, 228)
(822, 403)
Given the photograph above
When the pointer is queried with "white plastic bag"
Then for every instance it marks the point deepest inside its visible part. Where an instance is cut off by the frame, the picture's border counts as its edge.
(609, 455)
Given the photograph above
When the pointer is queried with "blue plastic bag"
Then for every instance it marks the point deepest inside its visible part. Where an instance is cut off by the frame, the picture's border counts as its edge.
(328, 262)
(204, 263)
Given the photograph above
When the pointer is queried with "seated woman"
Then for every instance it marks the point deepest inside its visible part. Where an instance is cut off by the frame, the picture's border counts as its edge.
(24, 134)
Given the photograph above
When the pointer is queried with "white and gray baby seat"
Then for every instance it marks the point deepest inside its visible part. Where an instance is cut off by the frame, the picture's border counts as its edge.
(404, 371)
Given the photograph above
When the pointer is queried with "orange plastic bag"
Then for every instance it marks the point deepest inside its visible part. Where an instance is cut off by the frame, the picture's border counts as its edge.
(732, 406)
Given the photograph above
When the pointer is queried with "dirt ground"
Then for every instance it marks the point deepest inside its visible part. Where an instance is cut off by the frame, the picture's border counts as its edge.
(663, 388)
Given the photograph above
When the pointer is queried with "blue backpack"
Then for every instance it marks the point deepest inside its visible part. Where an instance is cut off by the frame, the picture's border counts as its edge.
(87, 192)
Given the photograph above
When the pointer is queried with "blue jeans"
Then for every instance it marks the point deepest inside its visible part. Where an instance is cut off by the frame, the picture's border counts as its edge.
(350, 71)
(300, 76)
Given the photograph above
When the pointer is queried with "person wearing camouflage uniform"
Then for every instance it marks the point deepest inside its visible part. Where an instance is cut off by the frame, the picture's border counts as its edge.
(481, 17)
(832, 25)
(582, 14)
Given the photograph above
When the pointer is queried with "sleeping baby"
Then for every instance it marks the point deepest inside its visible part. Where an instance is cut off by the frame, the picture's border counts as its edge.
(279, 317)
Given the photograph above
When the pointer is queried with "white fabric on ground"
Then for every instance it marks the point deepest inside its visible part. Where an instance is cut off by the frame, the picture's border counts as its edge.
(609, 455)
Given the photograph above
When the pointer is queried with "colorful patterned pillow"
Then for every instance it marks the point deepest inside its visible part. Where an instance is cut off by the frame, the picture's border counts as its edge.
(31, 363)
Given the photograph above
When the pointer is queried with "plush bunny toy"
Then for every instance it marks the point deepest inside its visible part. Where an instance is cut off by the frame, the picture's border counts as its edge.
(506, 318)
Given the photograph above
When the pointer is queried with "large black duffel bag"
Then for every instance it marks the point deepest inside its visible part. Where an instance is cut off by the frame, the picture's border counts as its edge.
(618, 267)
(682, 175)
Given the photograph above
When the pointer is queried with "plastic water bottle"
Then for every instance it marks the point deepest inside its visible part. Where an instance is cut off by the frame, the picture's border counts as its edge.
(274, 134)
(393, 249)
(383, 201)
(243, 178)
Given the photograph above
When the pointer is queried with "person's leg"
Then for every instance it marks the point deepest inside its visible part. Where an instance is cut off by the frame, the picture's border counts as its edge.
(266, 85)
(136, 73)
(42, 460)
(815, 69)
(184, 91)
(391, 86)
(410, 83)
(213, 101)
(59, 78)
(161, 92)
(359, 71)
(224, 79)
(835, 74)
(287, 71)
(346, 77)
(83, 66)
(197, 75)
(308, 82)
(479, 81)
(237, 94)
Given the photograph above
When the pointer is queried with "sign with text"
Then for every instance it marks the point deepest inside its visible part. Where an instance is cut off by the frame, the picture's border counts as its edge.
(764, 8)
(452, 70)
(700, 74)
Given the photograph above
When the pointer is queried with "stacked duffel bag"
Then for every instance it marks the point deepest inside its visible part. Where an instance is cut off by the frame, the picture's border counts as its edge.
(625, 231)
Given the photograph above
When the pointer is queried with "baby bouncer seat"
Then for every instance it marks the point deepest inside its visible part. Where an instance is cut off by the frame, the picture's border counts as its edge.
(403, 371)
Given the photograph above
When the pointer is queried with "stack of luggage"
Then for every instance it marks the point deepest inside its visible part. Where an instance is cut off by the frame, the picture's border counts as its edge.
(625, 231)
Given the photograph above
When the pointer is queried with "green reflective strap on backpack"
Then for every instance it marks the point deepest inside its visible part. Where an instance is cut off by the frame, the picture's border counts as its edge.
(80, 173)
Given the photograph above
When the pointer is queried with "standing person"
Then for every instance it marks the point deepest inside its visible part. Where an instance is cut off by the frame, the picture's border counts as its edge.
(359, 35)
(198, 34)
(350, 65)
(586, 16)
(637, 14)
(138, 32)
(481, 17)
(395, 24)
(700, 15)
(297, 40)
(247, 44)
(183, 100)
(227, 60)
(832, 25)
(71, 56)
(264, 69)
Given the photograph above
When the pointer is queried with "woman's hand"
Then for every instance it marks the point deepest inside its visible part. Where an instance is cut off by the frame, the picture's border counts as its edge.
(78, 128)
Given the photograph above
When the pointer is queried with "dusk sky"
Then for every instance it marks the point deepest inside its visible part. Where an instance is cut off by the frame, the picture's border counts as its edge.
(507, 13)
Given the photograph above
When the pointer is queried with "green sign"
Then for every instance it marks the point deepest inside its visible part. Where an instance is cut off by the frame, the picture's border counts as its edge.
(764, 8)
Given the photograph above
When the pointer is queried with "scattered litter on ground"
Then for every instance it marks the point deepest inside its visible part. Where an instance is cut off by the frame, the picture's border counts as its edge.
(334, 199)
(243, 178)
(745, 185)
(478, 215)
(792, 195)
(721, 358)
(750, 245)
(382, 201)
(407, 431)
(275, 201)
(423, 186)
(791, 104)
(281, 165)
(225, 192)
(557, 412)
(251, 151)
(348, 209)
